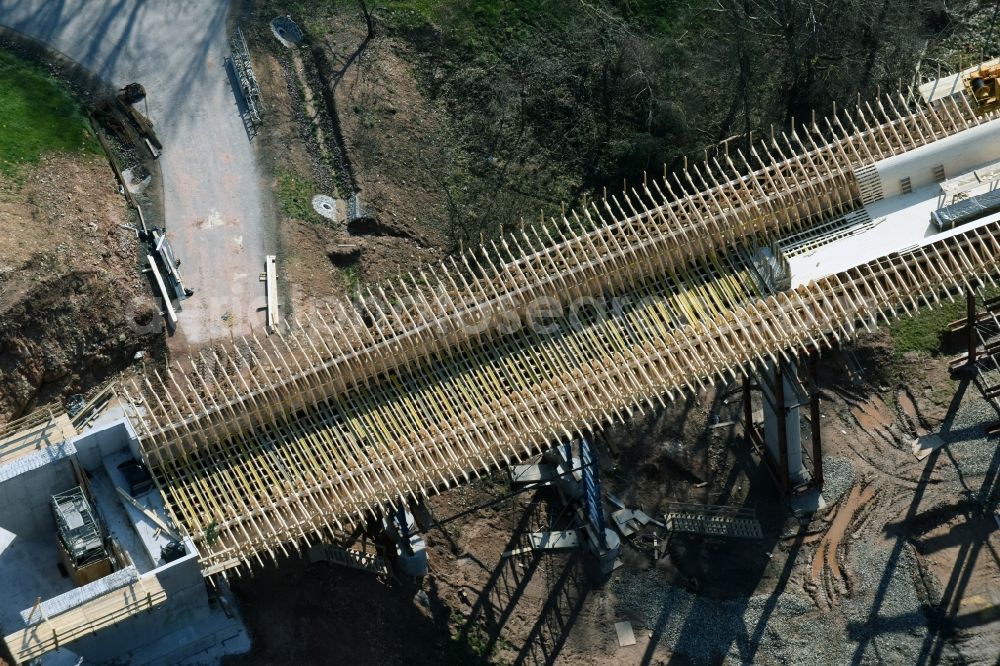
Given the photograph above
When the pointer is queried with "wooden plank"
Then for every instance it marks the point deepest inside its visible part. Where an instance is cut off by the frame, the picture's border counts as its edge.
(271, 292)
(59, 630)
(171, 314)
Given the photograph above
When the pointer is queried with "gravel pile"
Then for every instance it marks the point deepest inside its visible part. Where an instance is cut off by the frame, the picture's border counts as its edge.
(974, 454)
(838, 477)
(787, 628)
(704, 629)
(894, 626)
(882, 618)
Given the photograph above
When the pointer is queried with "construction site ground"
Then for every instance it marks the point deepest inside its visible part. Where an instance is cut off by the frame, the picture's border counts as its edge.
(69, 283)
(901, 567)
(215, 209)
(345, 113)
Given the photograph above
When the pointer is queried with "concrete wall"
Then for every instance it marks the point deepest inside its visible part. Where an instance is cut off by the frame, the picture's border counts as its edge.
(187, 596)
(81, 595)
(186, 606)
(958, 154)
(26, 487)
(25, 492)
(104, 440)
(792, 422)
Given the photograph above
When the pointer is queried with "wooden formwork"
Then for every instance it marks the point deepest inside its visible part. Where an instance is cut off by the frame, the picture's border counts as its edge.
(418, 385)
(45, 634)
(486, 404)
(787, 183)
(33, 433)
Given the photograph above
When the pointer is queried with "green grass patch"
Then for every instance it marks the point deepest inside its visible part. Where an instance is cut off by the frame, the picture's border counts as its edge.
(295, 196)
(351, 280)
(923, 333)
(475, 648)
(37, 115)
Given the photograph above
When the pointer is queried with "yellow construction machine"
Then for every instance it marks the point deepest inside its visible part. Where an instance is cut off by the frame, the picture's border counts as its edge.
(984, 86)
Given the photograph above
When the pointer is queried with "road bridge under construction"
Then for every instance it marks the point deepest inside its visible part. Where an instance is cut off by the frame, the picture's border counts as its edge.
(731, 271)
(726, 270)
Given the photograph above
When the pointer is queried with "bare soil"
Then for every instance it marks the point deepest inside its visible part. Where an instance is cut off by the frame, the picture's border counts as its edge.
(360, 125)
(392, 132)
(74, 308)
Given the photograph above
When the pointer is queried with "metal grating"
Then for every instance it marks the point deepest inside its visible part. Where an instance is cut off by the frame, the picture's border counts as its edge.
(248, 80)
(854, 223)
(721, 521)
(720, 526)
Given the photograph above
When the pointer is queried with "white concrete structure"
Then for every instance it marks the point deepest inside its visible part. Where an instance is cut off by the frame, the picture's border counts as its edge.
(792, 424)
(894, 220)
(898, 196)
(147, 611)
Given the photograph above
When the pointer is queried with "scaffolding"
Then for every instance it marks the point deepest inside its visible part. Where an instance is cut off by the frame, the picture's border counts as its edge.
(792, 182)
(78, 529)
(345, 459)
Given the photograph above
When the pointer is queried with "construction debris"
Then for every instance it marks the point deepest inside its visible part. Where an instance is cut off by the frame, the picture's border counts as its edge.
(626, 636)
(170, 265)
(629, 521)
(248, 80)
(924, 445)
(560, 540)
(716, 521)
(132, 93)
(130, 127)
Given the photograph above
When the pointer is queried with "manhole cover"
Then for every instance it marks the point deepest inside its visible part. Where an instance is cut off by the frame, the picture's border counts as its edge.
(325, 206)
(286, 31)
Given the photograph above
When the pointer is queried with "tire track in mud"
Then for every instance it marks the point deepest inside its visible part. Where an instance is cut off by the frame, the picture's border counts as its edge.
(826, 571)
(880, 439)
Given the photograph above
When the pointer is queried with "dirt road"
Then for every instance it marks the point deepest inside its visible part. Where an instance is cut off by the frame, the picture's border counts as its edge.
(217, 212)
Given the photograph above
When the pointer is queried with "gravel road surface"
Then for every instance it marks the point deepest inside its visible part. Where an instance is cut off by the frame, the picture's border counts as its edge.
(217, 212)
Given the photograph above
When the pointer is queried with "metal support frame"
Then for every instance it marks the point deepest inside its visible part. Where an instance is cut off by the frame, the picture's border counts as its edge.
(814, 416)
(970, 327)
(782, 412)
(248, 81)
(747, 411)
